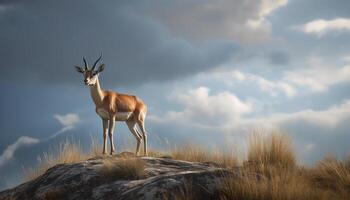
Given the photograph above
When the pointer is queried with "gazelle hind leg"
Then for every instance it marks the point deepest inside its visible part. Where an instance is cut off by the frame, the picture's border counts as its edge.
(132, 128)
(144, 136)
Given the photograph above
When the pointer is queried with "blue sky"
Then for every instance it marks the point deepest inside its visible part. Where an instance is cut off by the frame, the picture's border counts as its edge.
(209, 71)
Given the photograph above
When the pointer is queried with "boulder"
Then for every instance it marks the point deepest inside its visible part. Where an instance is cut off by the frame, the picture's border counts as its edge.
(164, 178)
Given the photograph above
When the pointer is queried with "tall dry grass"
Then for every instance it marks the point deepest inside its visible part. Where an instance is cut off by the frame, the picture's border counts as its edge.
(195, 153)
(279, 185)
(270, 173)
(270, 150)
(123, 168)
(332, 174)
(69, 151)
(66, 152)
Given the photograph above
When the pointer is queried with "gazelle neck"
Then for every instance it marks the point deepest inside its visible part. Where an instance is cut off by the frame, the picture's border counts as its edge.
(96, 93)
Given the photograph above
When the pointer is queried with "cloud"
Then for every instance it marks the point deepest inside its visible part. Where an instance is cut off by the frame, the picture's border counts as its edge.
(268, 6)
(203, 108)
(10, 150)
(273, 87)
(322, 27)
(241, 20)
(318, 78)
(225, 112)
(265, 9)
(69, 119)
(306, 121)
(49, 37)
(232, 77)
(328, 118)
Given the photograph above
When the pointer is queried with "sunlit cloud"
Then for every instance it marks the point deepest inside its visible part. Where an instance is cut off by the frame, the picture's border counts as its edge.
(272, 87)
(327, 118)
(202, 107)
(318, 78)
(69, 119)
(322, 27)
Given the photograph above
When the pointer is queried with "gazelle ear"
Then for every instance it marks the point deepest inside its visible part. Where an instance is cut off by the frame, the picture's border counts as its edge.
(100, 68)
(79, 69)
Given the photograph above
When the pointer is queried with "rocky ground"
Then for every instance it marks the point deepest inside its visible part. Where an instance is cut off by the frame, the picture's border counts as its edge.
(165, 179)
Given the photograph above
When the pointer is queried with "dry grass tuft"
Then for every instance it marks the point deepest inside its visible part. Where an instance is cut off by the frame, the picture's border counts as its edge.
(194, 153)
(96, 147)
(270, 173)
(333, 174)
(66, 152)
(272, 149)
(288, 185)
(123, 168)
(157, 153)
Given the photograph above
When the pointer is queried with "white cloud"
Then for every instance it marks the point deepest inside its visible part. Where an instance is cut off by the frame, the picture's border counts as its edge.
(328, 118)
(10, 150)
(272, 87)
(201, 108)
(240, 20)
(236, 75)
(318, 78)
(69, 119)
(224, 112)
(62, 130)
(266, 8)
(321, 27)
(346, 58)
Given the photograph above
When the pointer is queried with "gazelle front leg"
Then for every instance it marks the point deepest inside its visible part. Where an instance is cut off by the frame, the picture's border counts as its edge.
(105, 130)
(110, 133)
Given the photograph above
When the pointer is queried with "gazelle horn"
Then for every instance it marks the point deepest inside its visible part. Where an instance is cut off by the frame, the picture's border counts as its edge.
(85, 63)
(93, 67)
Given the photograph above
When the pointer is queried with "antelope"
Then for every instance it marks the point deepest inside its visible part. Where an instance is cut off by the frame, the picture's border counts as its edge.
(112, 106)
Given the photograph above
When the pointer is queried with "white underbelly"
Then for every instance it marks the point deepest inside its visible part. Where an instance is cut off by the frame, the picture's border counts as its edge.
(120, 116)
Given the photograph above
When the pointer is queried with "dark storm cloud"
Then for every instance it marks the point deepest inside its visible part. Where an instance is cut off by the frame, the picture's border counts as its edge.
(42, 40)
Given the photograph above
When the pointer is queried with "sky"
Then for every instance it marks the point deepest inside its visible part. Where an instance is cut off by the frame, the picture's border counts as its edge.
(210, 72)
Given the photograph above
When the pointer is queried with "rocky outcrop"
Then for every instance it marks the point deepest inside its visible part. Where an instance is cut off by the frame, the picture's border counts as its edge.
(165, 179)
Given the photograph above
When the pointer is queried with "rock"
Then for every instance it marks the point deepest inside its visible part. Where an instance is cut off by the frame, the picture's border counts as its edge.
(165, 179)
